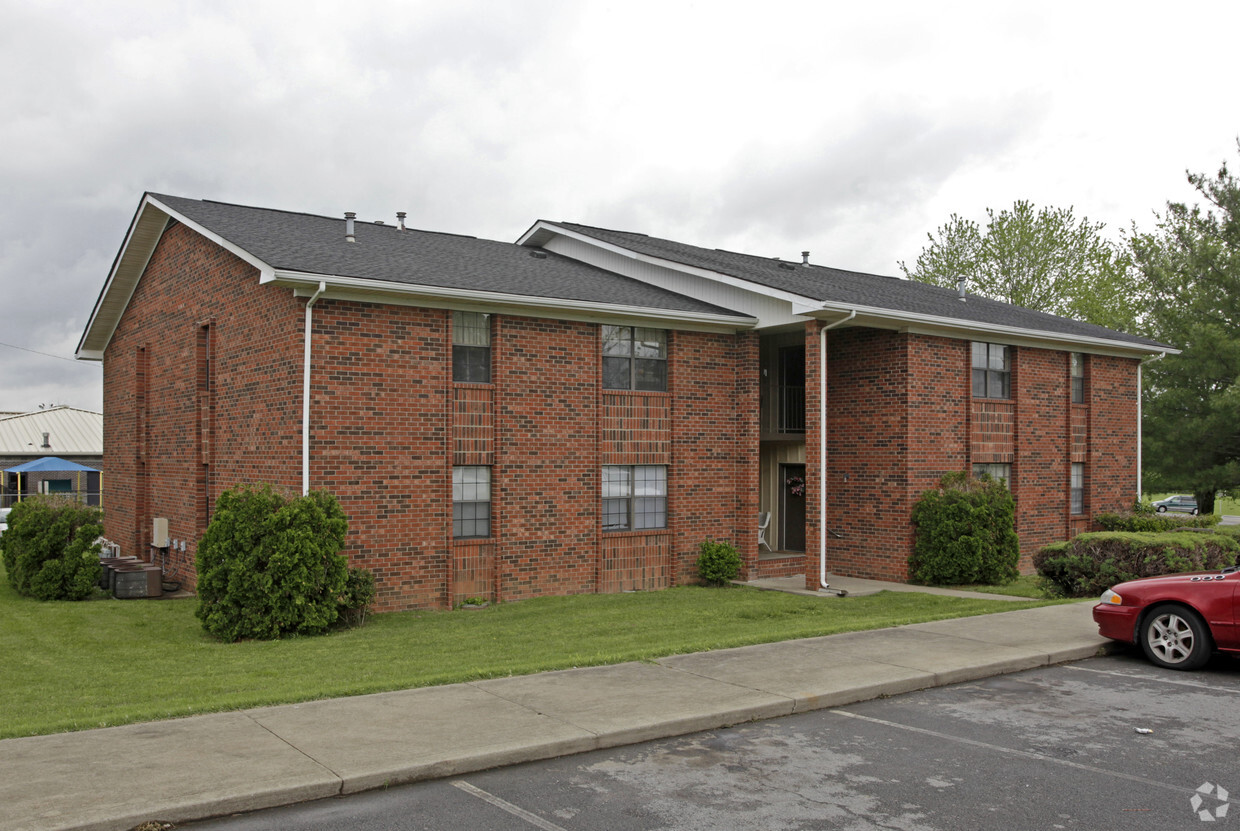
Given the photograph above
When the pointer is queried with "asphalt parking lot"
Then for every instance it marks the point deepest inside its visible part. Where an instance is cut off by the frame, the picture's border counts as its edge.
(1106, 742)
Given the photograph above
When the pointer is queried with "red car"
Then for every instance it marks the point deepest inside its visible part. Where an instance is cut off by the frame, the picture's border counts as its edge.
(1179, 619)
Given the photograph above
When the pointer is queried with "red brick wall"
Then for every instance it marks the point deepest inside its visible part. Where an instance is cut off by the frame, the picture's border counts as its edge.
(388, 424)
(1111, 472)
(713, 480)
(152, 423)
(1041, 473)
(869, 533)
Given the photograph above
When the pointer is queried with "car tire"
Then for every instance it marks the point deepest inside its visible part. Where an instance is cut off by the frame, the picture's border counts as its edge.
(1193, 512)
(1162, 509)
(1175, 637)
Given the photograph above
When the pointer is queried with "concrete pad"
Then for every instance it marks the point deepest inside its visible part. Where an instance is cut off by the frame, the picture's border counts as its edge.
(116, 778)
(634, 702)
(949, 658)
(1064, 632)
(371, 741)
(812, 679)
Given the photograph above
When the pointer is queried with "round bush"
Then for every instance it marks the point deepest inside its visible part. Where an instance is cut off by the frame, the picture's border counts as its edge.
(966, 533)
(718, 562)
(49, 548)
(269, 565)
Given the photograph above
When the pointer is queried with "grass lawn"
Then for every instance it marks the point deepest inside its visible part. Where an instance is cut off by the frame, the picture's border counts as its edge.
(75, 666)
(1026, 585)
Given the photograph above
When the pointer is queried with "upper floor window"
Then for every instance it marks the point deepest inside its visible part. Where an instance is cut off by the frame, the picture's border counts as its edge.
(992, 370)
(634, 358)
(1078, 378)
(471, 347)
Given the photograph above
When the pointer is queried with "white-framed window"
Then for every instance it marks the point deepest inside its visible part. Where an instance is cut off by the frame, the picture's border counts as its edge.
(1078, 378)
(471, 347)
(1078, 488)
(471, 502)
(634, 497)
(992, 370)
(1000, 472)
(634, 358)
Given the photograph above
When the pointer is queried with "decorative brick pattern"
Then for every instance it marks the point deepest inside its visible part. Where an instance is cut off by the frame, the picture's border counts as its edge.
(994, 431)
(636, 561)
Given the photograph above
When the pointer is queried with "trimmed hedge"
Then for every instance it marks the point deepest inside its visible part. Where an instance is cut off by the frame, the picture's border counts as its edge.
(1143, 522)
(966, 533)
(269, 565)
(1092, 563)
(50, 551)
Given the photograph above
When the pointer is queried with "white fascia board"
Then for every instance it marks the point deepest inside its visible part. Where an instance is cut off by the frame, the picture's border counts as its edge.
(81, 353)
(1015, 336)
(265, 271)
(798, 301)
(137, 269)
(371, 291)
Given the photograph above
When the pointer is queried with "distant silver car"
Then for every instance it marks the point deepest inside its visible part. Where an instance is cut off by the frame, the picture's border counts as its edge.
(4, 519)
(1183, 504)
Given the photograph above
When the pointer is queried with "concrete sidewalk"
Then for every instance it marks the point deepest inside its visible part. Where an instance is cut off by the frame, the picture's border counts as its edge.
(204, 766)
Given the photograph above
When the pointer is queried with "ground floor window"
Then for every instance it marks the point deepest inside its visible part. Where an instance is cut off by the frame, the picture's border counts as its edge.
(634, 497)
(471, 502)
(998, 472)
(1078, 488)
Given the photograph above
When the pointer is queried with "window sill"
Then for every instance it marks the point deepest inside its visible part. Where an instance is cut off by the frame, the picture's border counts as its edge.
(639, 533)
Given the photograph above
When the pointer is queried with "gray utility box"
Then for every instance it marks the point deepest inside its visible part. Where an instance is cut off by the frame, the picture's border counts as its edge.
(137, 581)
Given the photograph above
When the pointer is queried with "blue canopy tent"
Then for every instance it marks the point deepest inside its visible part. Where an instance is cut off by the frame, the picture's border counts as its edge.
(53, 464)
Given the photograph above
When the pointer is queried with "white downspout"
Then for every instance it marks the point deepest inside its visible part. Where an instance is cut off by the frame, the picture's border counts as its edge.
(305, 394)
(1140, 436)
(822, 448)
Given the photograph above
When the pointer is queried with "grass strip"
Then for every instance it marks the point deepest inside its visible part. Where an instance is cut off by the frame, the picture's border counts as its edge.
(73, 666)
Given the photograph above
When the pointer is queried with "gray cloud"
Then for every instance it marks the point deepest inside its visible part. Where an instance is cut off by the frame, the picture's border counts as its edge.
(845, 131)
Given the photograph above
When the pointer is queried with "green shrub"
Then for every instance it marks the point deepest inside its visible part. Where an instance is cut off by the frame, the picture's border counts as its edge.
(1092, 563)
(358, 594)
(49, 548)
(966, 533)
(718, 562)
(1140, 521)
(269, 565)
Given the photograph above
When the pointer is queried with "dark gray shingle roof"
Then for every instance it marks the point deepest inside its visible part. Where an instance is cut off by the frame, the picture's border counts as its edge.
(316, 245)
(853, 288)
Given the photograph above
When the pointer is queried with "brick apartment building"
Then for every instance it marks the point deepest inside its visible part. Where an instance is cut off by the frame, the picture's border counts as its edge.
(575, 412)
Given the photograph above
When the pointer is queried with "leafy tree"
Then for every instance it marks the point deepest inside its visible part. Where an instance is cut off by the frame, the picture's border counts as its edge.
(1192, 400)
(1045, 260)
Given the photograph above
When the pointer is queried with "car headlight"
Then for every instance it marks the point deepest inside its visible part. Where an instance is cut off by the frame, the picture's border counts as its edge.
(1112, 598)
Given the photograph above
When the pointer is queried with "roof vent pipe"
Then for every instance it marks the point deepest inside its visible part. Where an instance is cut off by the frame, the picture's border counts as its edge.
(804, 258)
(47, 440)
(400, 220)
(960, 289)
(349, 216)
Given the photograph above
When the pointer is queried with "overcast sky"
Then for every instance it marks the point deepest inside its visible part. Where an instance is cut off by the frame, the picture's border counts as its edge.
(848, 129)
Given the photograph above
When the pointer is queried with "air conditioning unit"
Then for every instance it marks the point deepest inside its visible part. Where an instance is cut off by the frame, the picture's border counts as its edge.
(159, 532)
